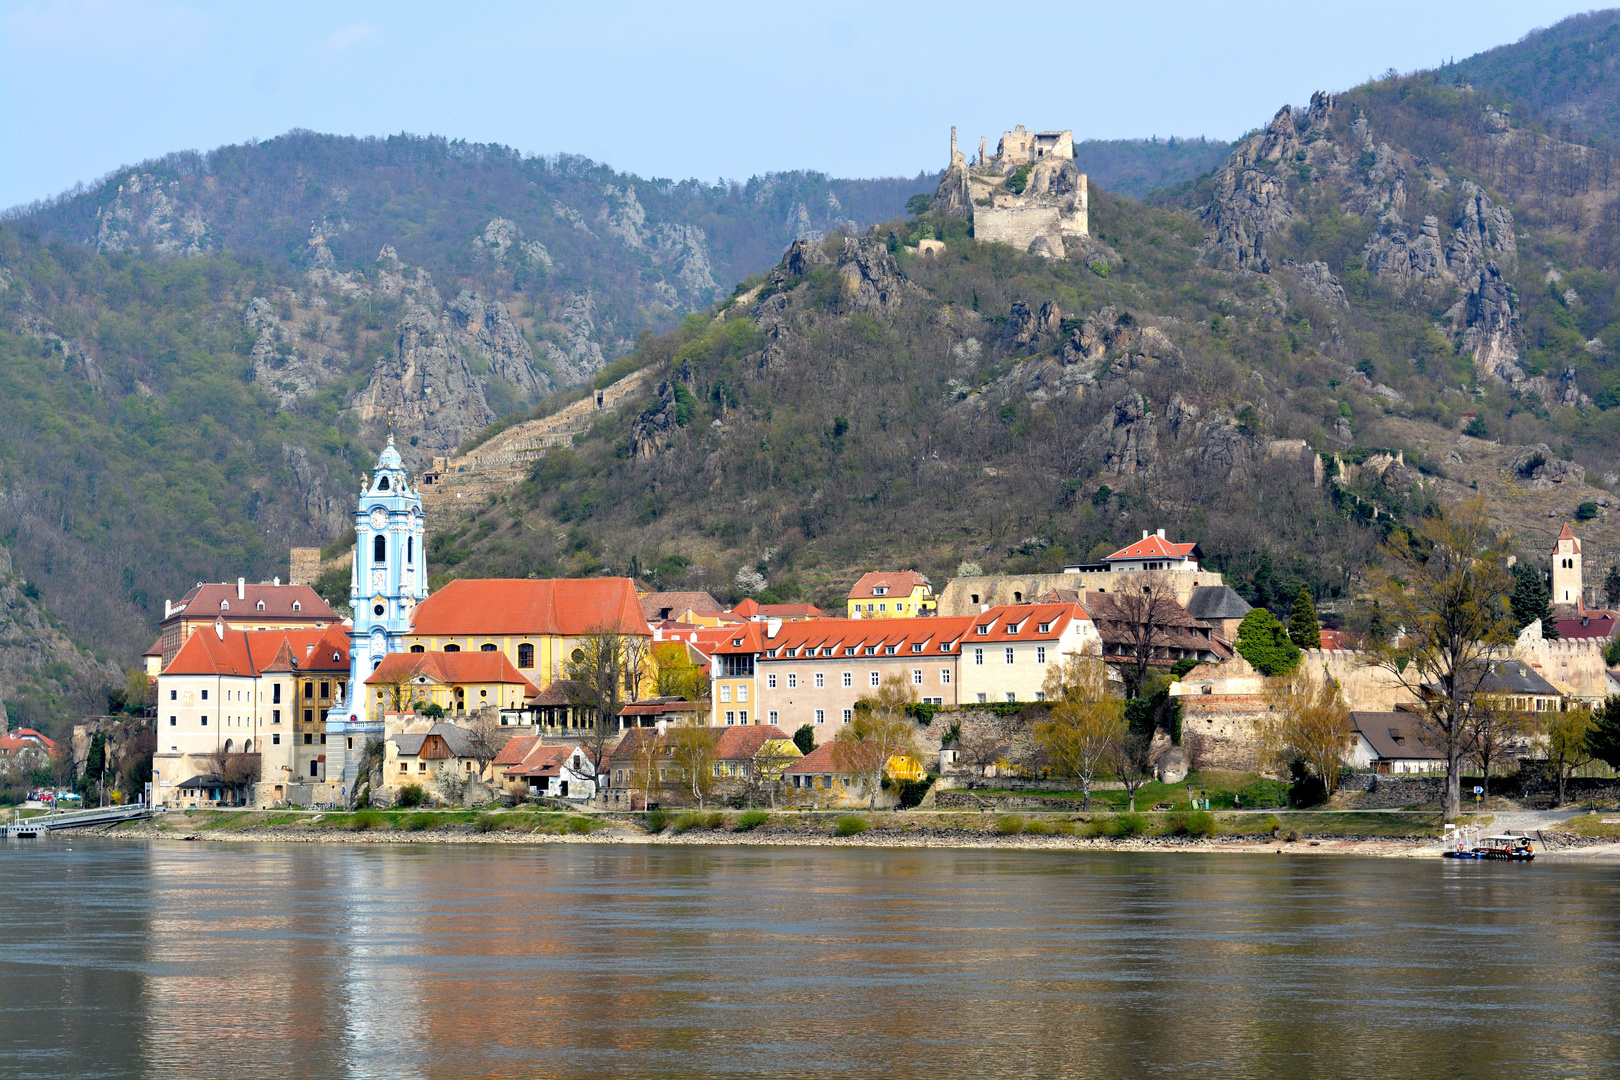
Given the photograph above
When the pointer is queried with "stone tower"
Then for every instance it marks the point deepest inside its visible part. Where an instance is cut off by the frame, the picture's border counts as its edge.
(388, 580)
(1566, 568)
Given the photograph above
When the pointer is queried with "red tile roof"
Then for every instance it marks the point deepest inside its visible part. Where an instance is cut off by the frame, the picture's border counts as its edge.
(1023, 622)
(840, 634)
(823, 759)
(1153, 547)
(742, 743)
(250, 653)
(653, 605)
(545, 760)
(1568, 533)
(753, 609)
(898, 583)
(13, 741)
(156, 649)
(204, 601)
(1597, 624)
(569, 607)
(516, 749)
(450, 667)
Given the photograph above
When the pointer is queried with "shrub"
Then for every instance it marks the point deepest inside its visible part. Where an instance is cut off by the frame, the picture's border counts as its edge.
(1586, 511)
(365, 819)
(582, 825)
(1271, 825)
(752, 819)
(714, 819)
(1192, 823)
(419, 822)
(687, 822)
(1291, 836)
(410, 795)
(486, 823)
(1182, 666)
(851, 824)
(1037, 827)
(1010, 824)
(1124, 825)
(1476, 427)
(655, 821)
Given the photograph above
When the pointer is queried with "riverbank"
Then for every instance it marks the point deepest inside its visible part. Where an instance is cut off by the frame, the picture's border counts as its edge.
(1389, 834)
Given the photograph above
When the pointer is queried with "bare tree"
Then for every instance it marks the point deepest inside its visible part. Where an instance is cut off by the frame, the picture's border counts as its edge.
(1132, 759)
(235, 770)
(1136, 618)
(644, 750)
(880, 731)
(1568, 737)
(691, 750)
(601, 669)
(770, 762)
(1309, 723)
(1496, 730)
(1086, 721)
(982, 739)
(1446, 585)
(485, 736)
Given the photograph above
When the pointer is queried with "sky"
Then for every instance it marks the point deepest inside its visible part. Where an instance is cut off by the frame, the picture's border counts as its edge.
(706, 90)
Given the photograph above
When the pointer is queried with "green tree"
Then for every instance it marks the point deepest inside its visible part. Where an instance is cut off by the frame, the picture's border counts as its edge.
(1532, 599)
(1568, 744)
(1611, 585)
(1604, 739)
(805, 738)
(1303, 628)
(1085, 726)
(1264, 643)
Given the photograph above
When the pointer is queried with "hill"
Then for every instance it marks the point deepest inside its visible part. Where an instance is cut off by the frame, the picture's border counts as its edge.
(1566, 77)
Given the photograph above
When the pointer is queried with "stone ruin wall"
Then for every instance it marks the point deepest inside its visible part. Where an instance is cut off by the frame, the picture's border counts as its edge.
(1576, 666)
(1018, 226)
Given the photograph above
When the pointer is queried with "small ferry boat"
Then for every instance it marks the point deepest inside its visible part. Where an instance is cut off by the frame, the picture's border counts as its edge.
(1466, 843)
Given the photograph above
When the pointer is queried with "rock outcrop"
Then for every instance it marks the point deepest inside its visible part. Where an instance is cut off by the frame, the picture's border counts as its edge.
(146, 212)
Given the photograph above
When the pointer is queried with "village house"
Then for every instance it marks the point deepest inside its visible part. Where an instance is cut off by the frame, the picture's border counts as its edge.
(659, 712)
(755, 754)
(26, 744)
(825, 777)
(1008, 652)
(1174, 635)
(695, 608)
(891, 595)
(259, 607)
(752, 610)
(457, 682)
(538, 624)
(248, 692)
(1392, 743)
(428, 759)
(528, 767)
(734, 654)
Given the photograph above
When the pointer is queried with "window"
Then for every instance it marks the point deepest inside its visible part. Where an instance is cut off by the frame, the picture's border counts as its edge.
(978, 657)
(773, 716)
(883, 607)
(323, 740)
(849, 650)
(379, 548)
(849, 678)
(983, 628)
(876, 679)
(821, 680)
(275, 694)
(1011, 696)
(205, 721)
(326, 689)
(770, 680)
(849, 714)
(871, 650)
(309, 716)
(275, 740)
(1046, 628)
(309, 738)
(453, 647)
(259, 606)
(174, 695)
(205, 695)
(899, 607)
(742, 716)
(488, 646)
(298, 605)
(918, 647)
(793, 682)
(981, 699)
(731, 718)
(888, 650)
(418, 648)
(725, 693)
(881, 590)
(525, 655)
(174, 721)
(1040, 654)
(944, 676)
(821, 716)
(793, 652)
(1040, 695)
(916, 676)
(309, 690)
(410, 550)
(275, 716)
(1009, 654)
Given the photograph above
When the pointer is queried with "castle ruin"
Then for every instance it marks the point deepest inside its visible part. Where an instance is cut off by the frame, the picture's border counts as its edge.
(1029, 195)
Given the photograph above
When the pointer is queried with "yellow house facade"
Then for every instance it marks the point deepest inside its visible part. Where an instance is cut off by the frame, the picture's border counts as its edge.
(457, 682)
(903, 594)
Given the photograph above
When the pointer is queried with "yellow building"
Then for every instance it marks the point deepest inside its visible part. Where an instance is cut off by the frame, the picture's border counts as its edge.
(538, 624)
(901, 594)
(457, 682)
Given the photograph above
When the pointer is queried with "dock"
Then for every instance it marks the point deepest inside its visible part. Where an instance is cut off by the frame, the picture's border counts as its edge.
(21, 828)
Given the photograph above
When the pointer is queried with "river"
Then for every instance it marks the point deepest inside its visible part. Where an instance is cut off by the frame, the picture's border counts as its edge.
(176, 959)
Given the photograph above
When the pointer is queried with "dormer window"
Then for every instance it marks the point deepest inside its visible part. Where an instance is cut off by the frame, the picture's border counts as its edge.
(983, 628)
(881, 590)
(793, 652)
(888, 650)
(298, 605)
(259, 606)
(1013, 628)
(945, 646)
(871, 650)
(224, 605)
(1046, 628)
(826, 650)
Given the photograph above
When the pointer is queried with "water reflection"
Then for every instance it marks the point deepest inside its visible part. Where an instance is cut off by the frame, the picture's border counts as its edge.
(192, 960)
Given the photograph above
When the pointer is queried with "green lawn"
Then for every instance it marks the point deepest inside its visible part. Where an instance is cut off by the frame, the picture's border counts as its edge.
(1224, 790)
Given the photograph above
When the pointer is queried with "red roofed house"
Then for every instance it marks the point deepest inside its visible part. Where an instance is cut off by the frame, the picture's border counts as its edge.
(754, 611)
(1154, 552)
(457, 682)
(898, 594)
(536, 623)
(27, 744)
(262, 607)
(557, 772)
(820, 777)
(263, 692)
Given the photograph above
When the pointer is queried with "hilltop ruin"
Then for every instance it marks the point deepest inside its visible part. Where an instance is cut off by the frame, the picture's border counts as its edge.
(1029, 195)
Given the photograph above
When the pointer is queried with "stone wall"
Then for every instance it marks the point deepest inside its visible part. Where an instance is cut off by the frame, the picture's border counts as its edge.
(1018, 226)
(1223, 731)
(304, 566)
(1575, 667)
(994, 589)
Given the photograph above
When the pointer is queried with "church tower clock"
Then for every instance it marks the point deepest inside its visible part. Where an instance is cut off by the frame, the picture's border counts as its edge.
(387, 581)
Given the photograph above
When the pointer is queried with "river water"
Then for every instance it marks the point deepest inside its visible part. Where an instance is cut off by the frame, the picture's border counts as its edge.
(258, 960)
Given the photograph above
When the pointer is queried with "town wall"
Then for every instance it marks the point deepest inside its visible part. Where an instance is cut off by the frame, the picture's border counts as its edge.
(999, 589)
(304, 566)
(1576, 667)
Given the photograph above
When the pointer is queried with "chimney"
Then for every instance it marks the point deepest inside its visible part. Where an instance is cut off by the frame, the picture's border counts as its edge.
(772, 626)
(241, 588)
(983, 608)
(276, 582)
(219, 627)
(1145, 534)
(1161, 534)
(168, 610)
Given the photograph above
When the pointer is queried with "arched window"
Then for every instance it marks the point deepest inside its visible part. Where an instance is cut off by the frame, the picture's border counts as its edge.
(452, 647)
(224, 605)
(525, 655)
(379, 548)
(382, 485)
(247, 747)
(259, 606)
(297, 606)
(488, 646)
(418, 648)
(227, 746)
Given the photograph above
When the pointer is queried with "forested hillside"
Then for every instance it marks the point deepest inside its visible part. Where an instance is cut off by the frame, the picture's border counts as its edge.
(1564, 77)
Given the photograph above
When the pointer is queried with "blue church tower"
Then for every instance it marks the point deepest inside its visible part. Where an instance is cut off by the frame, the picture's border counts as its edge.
(388, 580)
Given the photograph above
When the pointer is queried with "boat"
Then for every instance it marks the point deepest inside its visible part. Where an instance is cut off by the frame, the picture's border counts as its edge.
(1465, 843)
